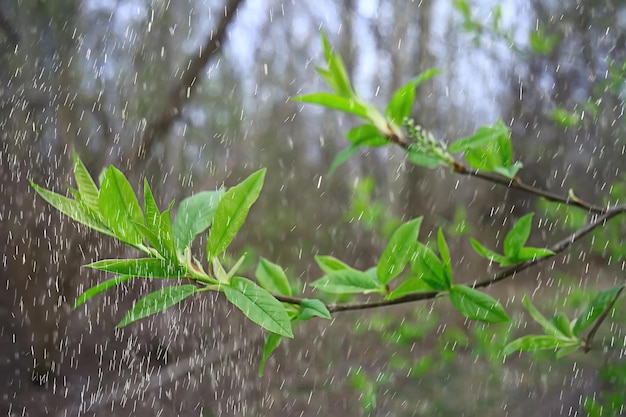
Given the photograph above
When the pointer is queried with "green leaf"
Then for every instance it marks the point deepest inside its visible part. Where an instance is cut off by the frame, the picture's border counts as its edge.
(142, 267)
(528, 254)
(483, 159)
(151, 210)
(483, 136)
(157, 301)
(399, 250)
(335, 75)
(563, 325)
(348, 281)
(334, 101)
(342, 157)
(428, 266)
(477, 305)
(420, 158)
(313, 308)
(272, 341)
(100, 288)
(487, 253)
(568, 348)
(540, 43)
(366, 135)
(509, 171)
(401, 103)
(232, 211)
(409, 286)
(158, 228)
(259, 306)
(517, 236)
(565, 118)
(119, 207)
(330, 264)
(86, 187)
(195, 214)
(272, 277)
(534, 343)
(595, 308)
(547, 326)
(444, 252)
(72, 209)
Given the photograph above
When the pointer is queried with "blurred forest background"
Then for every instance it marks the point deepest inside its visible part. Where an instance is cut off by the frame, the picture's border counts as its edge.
(195, 94)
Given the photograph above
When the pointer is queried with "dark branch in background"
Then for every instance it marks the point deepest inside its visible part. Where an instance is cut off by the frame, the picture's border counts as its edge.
(181, 92)
(588, 339)
(559, 247)
(9, 32)
(516, 183)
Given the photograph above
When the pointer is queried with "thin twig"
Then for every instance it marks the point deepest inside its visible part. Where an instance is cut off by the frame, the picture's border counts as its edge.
(558, 247)
(588, 339)
(515, 183)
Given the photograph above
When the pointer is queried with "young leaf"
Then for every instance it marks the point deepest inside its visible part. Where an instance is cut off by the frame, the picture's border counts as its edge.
(476, 305)
(150, 208)
(348, 281)
(548, 326)
(426, 265)
(420, 158)
(142, 267)
(313, 308)
(271, 343)
(330, 264)
(86, 187)
(528, 254)
(517, 236)
(335, 75)
(563, 325)
(119, 207)
(100, 288)
(444, 252)
(342, 157)
(232, 211)
(72, 209)
(366, 135)
(595, 308)
(534, 343)
(409, 286)
(399, 250)
(157, 301)
(259, 306)
(401, 103)
(272, 277)
(483, 136)
(158, 227)
(487, 253)
(484, 159)
(195, 214)
(334, 101)
(509, 171)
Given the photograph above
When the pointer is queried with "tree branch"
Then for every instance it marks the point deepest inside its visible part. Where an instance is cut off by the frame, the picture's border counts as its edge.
(559, 247)
(181, 92)
(516, 183)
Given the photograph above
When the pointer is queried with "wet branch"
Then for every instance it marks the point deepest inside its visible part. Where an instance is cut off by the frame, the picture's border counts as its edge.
(181, 92)
(557, 248)
(515, 183)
